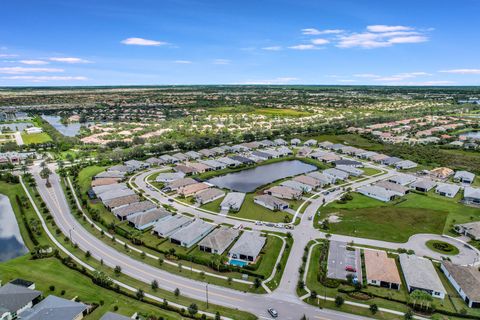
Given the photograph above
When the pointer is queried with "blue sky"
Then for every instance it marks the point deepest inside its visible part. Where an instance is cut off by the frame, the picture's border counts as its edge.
(119, 42)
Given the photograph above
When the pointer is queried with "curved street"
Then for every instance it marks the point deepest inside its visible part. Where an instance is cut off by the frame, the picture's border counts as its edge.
(284, 299)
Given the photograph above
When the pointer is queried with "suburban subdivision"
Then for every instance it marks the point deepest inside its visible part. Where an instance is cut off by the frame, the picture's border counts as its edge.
(239, 160)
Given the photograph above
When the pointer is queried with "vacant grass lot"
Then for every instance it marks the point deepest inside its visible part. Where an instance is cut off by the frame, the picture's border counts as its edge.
(36, 138)
(396, 221)
(253, 211)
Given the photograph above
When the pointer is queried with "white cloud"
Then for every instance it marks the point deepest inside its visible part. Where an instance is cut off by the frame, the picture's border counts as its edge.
(346, 80)
(402, 76)
(303, 47)
(69, 60)
(320, 41)
(183, 61)
(379, 36)
(23, 70)
(33, 62)
(272, 48)
(279, 80)
(366, 75)
(385, 28)
(46, 78)
(221, 61)
(462, 71)
(313, 31)
(142, 42)
(7, 55)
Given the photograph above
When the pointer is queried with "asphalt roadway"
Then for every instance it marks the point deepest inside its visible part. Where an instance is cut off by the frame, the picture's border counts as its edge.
(288, 307)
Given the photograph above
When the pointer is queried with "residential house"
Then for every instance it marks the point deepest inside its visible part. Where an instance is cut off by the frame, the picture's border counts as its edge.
(114, 316)
(104, 182)
(180, 156)
(271, 202)
(336, 146)
(121, 168)
(464, 177)
(166, 158)
(284, 192)
(55, 308)
(207, 153)
(154, 161)
(402, 179)
(229, 162)
(166, 227)
(470, 229)
(350, 170)
(367, 155)
(180, 183)
(381, 270)
(323, 178)
(193, 155)
(186, 170)
(308, 180)
(325, 144)
(110, 174)
(305, 151)
(216, 165)
(447, 190)
(15, 300)
(284, 151)
(336, 174)
(124, 212)
(390, 161)
(280, 142)
(377, 192)
(405, 164)
(423, 185)
(115, 193)
(262, 155)
(471, 195)
(317, 154)
(420, 274)
(243, 160)
(379, 157)
(350, 163)
(121, 201)
(219, 240)
(208, 195)
(199, 167)
(302, 187)
(310, 143)
(329, 157)
(192, 189)
(267, 143)
(192, 233)
(466, 280)
(233, 201)
(137, 165)
(398, 189)
(165, 177)
(441, 173)
(147, 219)
(247, 247)
(295, 142)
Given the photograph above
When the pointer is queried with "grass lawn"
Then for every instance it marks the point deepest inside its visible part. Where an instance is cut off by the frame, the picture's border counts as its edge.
(251, 210)
(36, 138)
(396, 221)
(85, 177)
(213, 206)
(370, 171)
(47, 273)
(442, 247)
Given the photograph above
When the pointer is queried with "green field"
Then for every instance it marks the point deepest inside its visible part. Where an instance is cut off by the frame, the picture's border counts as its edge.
(273, 112)
(35, 138)
(397, 220)
(47, 273)
(253, 211)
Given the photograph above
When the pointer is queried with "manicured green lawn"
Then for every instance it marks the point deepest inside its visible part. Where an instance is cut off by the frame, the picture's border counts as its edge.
(251, 210)
(442, 247)
(36, 138)
(213, 206)
(52, 272)
(396, 221)
(85, 177)
(370, 171)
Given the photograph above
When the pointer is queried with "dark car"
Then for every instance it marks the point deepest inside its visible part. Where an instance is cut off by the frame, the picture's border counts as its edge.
(350, 269)
(273, 312)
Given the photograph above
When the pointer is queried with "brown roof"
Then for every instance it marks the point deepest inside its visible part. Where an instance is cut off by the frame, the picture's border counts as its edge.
(468, 278)
(192, 189)
(104, 181)
(442, 172)
(380, 267)
(121, 201)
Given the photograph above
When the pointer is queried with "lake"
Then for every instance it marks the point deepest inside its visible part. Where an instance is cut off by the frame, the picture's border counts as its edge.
(472, 135)
(11, 242)
(250, 179)
(69, 129)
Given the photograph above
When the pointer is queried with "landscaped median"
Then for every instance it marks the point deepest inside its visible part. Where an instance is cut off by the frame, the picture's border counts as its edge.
(123, 284)
(316, 288)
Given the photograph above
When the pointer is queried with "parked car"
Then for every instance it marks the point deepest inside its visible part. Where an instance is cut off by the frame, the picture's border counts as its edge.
(273, 312)
(258, 223)
(350, 269)
(279, 225)
(170, 200)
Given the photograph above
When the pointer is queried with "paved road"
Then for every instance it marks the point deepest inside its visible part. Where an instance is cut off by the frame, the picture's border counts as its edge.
(288, 307)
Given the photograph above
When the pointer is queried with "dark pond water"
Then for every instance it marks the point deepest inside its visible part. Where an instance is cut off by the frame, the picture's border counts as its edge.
(69, 129)
(250, 179)
(11, 243)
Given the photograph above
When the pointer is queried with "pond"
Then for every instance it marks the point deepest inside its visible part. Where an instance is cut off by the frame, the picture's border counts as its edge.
(471, 135)
(250, 179)
(69, 129)
(11, 242)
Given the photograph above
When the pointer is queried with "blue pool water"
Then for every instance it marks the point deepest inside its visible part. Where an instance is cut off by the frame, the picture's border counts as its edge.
(237, 263)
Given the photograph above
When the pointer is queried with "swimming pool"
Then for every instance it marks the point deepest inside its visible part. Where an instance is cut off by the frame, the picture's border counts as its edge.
(238, 263)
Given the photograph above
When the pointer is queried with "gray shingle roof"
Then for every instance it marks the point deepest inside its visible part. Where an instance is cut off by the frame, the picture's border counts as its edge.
(55, 308)
(420, 273)
(249, 244)
(133, 208)
(468, 278)
(114, 316)
(14, 297)
(219, 239)
(192, 231)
